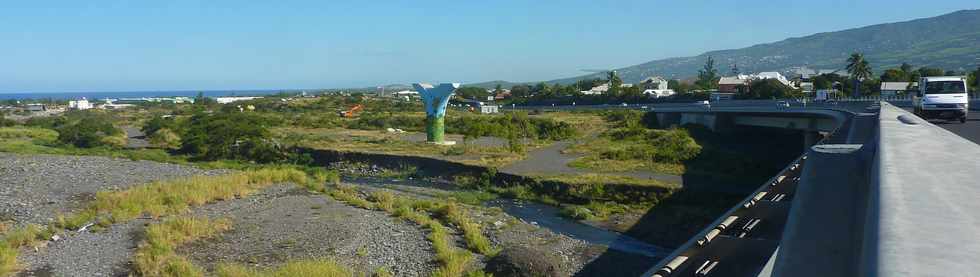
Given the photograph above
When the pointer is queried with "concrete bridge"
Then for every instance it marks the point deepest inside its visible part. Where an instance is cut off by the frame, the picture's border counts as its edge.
(814, 123)
(878, 192)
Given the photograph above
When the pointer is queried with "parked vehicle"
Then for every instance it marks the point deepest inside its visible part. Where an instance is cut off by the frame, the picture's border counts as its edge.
(782, 104)
(942, 98)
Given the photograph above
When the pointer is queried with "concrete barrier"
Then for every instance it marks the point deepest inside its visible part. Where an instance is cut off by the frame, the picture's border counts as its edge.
(916, 214)
(924, 212)
(821, 237)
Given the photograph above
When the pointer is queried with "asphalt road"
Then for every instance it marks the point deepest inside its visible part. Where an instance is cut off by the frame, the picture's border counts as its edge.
(969, 130)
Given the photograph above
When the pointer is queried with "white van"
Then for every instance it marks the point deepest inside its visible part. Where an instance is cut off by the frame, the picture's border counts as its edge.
(942, 97)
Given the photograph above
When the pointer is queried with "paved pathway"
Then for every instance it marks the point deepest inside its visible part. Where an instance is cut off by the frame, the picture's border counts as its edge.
(135, 138)
(549, 160)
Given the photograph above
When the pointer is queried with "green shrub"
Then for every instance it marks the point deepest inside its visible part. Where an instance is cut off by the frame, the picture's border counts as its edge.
(576, 212)
(158, 123)
(87, 133)
(6, 122)
(628, 119)
(48, 122)
(231, 135)
(165, 138)
(673, 145)
(380, 121)
(33, 133)
(516, 125)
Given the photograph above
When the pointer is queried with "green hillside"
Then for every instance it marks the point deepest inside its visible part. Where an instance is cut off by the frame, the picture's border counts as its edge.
(950, 41)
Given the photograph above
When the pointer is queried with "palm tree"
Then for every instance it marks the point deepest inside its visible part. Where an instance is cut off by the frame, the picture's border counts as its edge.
(859, 69)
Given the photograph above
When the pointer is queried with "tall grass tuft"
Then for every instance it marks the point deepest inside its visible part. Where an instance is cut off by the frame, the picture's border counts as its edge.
(454, 261)
(385, 200)
(472, 232)
(157, 257)
(350, 196)
(23, 236)
(177, 196)
(294, 268)
(8, 259)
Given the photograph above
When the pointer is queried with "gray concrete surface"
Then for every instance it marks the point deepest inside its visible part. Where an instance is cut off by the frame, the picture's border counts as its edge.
(821, 237)
(924, 218)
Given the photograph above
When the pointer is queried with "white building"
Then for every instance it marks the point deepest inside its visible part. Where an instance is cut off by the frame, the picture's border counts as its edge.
(896, 88)
(807, 87)
(730, 84)
(229, 99)
(405, 93)
(656, 87)
(657, 93)
(600, 89)
(81, 104)
(488, 109)
(772, 75)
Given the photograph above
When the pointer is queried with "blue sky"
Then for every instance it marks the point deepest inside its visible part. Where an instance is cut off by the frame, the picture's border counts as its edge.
(63, 46)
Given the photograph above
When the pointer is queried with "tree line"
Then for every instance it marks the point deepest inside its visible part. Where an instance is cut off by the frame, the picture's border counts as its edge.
(859, 81)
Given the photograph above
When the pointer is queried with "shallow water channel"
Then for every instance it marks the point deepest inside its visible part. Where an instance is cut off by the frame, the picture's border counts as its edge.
(542, 215)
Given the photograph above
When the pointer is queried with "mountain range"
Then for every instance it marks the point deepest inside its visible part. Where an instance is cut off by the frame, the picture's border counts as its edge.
(950, 41)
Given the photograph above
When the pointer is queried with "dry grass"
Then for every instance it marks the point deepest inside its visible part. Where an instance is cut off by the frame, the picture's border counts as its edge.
(350, 196)
(154, 199)
(472, 232)
(17, 132)
(177, 196)
(290, 269)
(610, 166)
(10, 241)
(157, 257)
(24, 236)
(374, 141)
(8, 259)
(454, 261)
(597, 178)
(586, 123)
(384, 199)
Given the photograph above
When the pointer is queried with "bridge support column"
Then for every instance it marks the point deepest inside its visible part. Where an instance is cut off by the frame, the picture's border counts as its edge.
(435, 100)
(668, 119)
(810, 138)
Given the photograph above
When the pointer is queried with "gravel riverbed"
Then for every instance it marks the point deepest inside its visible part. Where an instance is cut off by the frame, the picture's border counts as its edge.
(34, 189)
(286, 223)
(278, 224)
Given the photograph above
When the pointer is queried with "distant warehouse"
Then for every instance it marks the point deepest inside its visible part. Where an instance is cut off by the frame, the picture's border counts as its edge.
(229, 99)
(891, 89)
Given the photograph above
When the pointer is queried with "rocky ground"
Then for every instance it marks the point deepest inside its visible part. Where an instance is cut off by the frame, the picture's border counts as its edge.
(104, 253)
(287, 223)
(278, 224)
(565, 255)
(36, 188)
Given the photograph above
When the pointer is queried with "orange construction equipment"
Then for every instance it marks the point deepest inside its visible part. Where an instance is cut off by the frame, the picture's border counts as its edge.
(350, 112)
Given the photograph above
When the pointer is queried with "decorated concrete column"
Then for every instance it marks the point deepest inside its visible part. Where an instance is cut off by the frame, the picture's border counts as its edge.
(435, 100)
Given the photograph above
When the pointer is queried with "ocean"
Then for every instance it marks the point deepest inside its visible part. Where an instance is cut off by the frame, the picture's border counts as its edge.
(136, 94)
